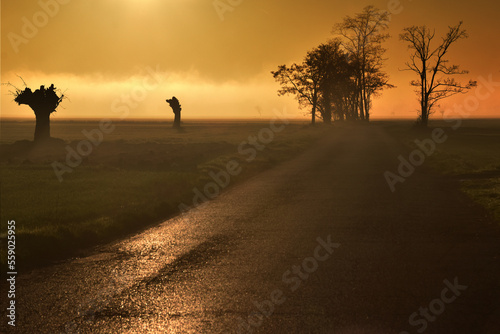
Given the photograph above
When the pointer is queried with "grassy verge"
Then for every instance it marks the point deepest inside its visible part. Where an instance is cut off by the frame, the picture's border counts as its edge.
(127, 183)
(471, 154)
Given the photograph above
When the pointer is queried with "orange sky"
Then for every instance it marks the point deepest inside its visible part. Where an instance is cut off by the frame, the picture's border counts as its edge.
(115, 55)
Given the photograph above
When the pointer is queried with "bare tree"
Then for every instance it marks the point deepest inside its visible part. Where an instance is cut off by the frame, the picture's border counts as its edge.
(434, 71)
(43, 102)
(362, 37)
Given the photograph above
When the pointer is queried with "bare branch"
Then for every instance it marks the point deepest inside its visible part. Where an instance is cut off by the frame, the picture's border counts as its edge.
(433, 68)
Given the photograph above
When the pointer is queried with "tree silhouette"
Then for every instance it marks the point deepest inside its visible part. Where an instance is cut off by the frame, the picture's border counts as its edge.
(43, 102)
(362, 36)
(325, 60)
(433, 70)
(176, 108)
(322, 81)
(337, 85)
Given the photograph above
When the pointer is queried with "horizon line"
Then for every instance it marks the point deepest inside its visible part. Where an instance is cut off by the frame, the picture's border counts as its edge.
(243, 119)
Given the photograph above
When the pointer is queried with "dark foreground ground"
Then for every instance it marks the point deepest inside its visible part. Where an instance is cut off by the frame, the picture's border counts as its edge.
(317, 245)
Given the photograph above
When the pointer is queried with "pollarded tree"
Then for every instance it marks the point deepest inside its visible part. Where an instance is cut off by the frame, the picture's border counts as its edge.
(433, 69)
(43, 101)
(176, 109)
(362, 36)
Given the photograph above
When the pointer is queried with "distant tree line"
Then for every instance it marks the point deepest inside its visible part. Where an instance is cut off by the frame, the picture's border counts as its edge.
(338, 79)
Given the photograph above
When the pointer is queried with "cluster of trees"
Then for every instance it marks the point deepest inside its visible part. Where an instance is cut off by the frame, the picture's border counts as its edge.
(338, 79)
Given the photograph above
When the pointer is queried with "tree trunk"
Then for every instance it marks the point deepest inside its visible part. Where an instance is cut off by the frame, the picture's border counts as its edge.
(361, 107)
(368, 106)
(42, 127)
(362, 93)
(177, 119)
(327, 114)
(314, 106)
(425, 116)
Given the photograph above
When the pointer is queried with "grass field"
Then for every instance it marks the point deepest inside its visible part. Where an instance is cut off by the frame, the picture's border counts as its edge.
(137, 176)
(143, 171)
(470, 154)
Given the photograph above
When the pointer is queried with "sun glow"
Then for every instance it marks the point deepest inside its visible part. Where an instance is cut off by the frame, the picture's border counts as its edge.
(94, 52)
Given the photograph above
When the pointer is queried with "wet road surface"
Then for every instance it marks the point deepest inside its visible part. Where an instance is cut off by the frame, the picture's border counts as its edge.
(318, 244)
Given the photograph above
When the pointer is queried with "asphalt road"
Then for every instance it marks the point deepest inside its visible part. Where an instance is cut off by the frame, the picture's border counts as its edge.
(318, 244)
